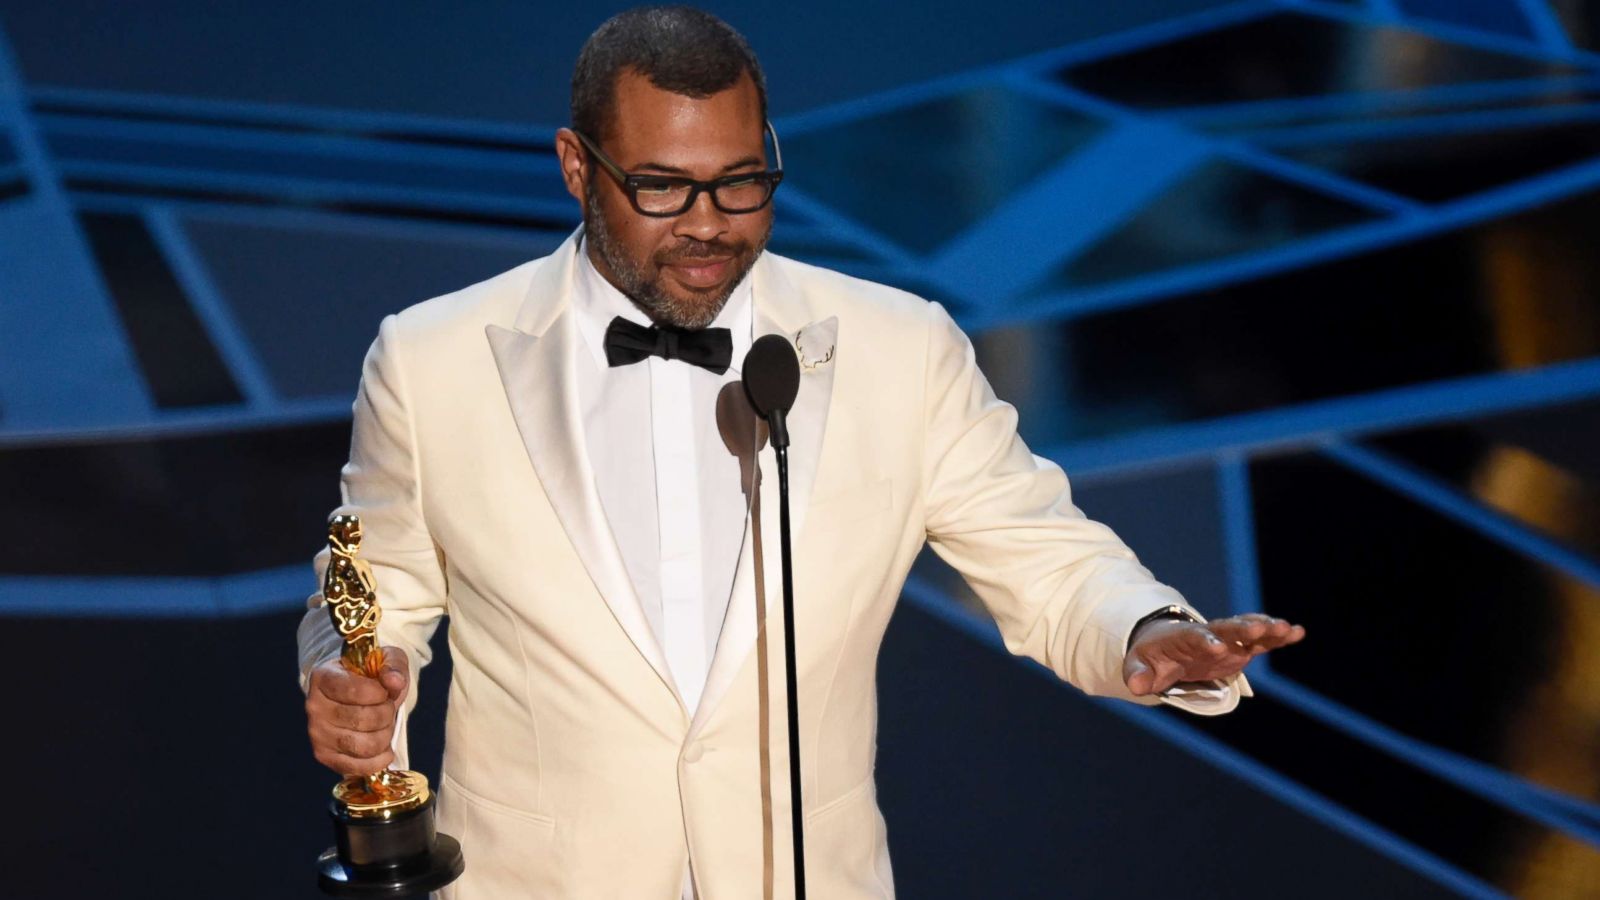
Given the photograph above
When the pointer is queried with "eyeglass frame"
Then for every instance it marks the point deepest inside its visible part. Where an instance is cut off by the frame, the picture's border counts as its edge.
(630, 183)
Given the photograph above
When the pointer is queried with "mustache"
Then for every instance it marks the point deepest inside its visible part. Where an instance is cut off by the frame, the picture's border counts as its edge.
(693, 249)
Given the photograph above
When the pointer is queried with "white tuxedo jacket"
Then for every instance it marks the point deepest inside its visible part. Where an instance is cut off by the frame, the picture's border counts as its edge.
(571, 768)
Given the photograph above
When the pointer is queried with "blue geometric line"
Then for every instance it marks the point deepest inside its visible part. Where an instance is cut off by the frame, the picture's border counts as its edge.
(187, 422)
(1263, 112)
(1455, 34)
(1546, 26)
(1109, 181)
(881, 273)
(857, 108)
(1137, 290)
(1139, 37)
(1355, 239)
(322, 144)
(211, 596)
(1237, 150)
(210, 307)
(364, 223)
(842, 226)
(1321, 180)
(1570, 812)
(931, 600)
(82, 330)
(1385, 10)
(1552, 808)
(291, 115)
(316, 190)
(1446, 500)
(1349, 417)
(1081, 102)
(1322, 133)
(30, 153)
(816, 242)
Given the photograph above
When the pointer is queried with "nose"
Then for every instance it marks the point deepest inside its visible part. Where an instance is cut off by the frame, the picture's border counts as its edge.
(702, 221)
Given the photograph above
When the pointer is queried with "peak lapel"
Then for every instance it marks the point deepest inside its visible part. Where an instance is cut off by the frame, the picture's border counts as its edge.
(536, 363)
(780, 309)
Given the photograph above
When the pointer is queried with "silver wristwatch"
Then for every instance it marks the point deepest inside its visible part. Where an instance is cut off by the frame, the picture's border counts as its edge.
(1170, 611)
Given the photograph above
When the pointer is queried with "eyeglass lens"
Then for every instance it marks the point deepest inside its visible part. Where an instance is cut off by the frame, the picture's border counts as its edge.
(672, 197)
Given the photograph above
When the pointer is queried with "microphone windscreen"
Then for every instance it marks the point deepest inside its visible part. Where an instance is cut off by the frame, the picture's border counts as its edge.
(771, 374)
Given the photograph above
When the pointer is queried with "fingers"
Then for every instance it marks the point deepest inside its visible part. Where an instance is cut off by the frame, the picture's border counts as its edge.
(396, 674)
(350, 765)
(1151, 670)
(1257, 633)
(1139, 677)
(1246, 630)
(351, 740)
(364, 719)
(1167, 653)
(350, 718)
(1168, 673)
(1181, 651)
(340, 685)
(342, 717)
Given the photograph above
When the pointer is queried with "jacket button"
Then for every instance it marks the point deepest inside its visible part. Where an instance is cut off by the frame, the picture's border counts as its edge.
(694, 752)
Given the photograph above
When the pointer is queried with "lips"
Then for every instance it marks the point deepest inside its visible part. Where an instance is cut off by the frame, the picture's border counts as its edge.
(701, 272)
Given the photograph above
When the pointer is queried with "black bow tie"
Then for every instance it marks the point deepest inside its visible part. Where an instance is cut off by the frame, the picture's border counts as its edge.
(708, 348)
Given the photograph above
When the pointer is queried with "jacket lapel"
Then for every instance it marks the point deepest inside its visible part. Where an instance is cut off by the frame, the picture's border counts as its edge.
(536, 363)
(780, 309)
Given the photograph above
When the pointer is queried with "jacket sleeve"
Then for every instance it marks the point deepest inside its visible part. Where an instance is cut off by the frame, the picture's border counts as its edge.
(382, 484)
(1063, 589)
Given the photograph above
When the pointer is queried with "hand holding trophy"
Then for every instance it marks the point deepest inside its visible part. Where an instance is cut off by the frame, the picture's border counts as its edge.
(385, 845)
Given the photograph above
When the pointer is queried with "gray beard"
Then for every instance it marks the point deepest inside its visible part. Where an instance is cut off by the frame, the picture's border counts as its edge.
(635, 284)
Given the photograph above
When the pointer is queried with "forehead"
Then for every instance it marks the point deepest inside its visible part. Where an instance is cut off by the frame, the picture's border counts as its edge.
(659, 126)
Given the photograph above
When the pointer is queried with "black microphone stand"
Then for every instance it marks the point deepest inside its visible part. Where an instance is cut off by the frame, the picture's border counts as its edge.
(780, 446)
(771, 383)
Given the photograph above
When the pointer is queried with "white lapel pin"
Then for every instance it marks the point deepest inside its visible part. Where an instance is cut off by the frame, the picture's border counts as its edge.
(809, 361)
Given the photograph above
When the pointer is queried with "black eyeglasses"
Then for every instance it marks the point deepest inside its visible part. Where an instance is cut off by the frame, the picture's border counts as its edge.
(669, 195)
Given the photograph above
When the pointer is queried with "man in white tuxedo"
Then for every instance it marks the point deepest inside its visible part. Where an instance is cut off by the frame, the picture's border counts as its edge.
(559, 459)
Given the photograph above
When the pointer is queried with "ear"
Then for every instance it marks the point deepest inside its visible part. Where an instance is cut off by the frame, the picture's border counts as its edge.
(574, 163)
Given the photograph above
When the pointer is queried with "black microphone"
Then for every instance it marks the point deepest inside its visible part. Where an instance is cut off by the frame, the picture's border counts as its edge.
(771, 381)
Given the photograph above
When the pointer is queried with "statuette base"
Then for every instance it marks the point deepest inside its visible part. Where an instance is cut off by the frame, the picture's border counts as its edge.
(395, 855)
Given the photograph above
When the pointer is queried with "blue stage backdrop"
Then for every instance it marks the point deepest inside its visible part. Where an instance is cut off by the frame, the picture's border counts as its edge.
(1304, 295)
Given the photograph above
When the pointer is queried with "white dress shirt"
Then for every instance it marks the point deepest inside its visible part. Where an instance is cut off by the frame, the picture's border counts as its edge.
(669, 487)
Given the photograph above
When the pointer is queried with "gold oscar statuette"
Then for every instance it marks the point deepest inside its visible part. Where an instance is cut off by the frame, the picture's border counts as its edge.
(386, 845)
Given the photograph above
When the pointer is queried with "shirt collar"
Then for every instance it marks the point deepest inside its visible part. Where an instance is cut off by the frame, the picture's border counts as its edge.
(597, 301)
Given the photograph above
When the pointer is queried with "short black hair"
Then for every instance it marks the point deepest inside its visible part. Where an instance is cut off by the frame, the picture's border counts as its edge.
(679, 48)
